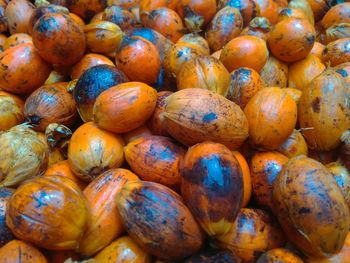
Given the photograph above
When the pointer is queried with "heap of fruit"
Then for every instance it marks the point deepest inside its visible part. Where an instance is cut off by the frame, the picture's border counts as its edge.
(145, 131)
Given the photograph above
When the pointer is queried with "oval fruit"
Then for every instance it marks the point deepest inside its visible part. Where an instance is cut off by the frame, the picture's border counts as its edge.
(212, 186)
(124, 107)
(279, 255)
(19, 251)
(272, 115)
(196, 115)
(310, 207)
(48, 214)
(156, 159)
(157, 219)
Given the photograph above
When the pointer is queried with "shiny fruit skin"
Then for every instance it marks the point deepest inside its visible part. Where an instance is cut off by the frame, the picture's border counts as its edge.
(212, 186)
(157, 219)
(124, 107)
(337, 52)
(310, 207)
(156, 159)
(132, 56)
(92, 151)
(123, 249)
(105, 223)
(270, 126)
(50, 215)
(22, 70)
(91, 84)
(291, 39)
(59, 39)
(19, 251)
(244, 51)
(337, 14)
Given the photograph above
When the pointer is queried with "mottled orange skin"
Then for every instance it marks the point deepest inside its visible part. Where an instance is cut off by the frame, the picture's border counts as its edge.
(125, 250)
(156, 159)
(249, 9)
(244, 51)
(125, 4)
(62, 168)
(212, 186)
(342, 177)
(86, 9)
(106, 224)
(294, 93)
(147, 6)
(22, 70)
(279, 255)
(324, 108)
(268, 9)
(196, 42)
(291, 12)
(311, 207)
(17, 39)
(259, 27)
(302, 72)
(196, 115)
(92, 151)
(244, 84)
(205, 72)
(291, 39)
(337, 14)
(344, 70)
(154, 122)
(264, 168)
(317, 49)
(124, 107)
(18, 13)
(247, 182)
(59, 39)
(275, 73)
(77, 19)
(341, 257)
(43, 10)
(5, 233)
(49, 214)
(253, 233)
(11, 110)
(196, 13)
(337, 52)
(137, 133)
(19, 251)
(89, 61)
(226, 25)
(50, 104)
(294, 146)
(165, 21)
(132, 56)
(122, 18)
(157, 219)
(270, 126)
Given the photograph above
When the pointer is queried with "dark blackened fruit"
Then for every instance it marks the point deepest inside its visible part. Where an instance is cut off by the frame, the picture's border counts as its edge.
(157, 159)
(311, 207)
(59, 39)
(92, 83)
(157, 219)
(212, 186)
